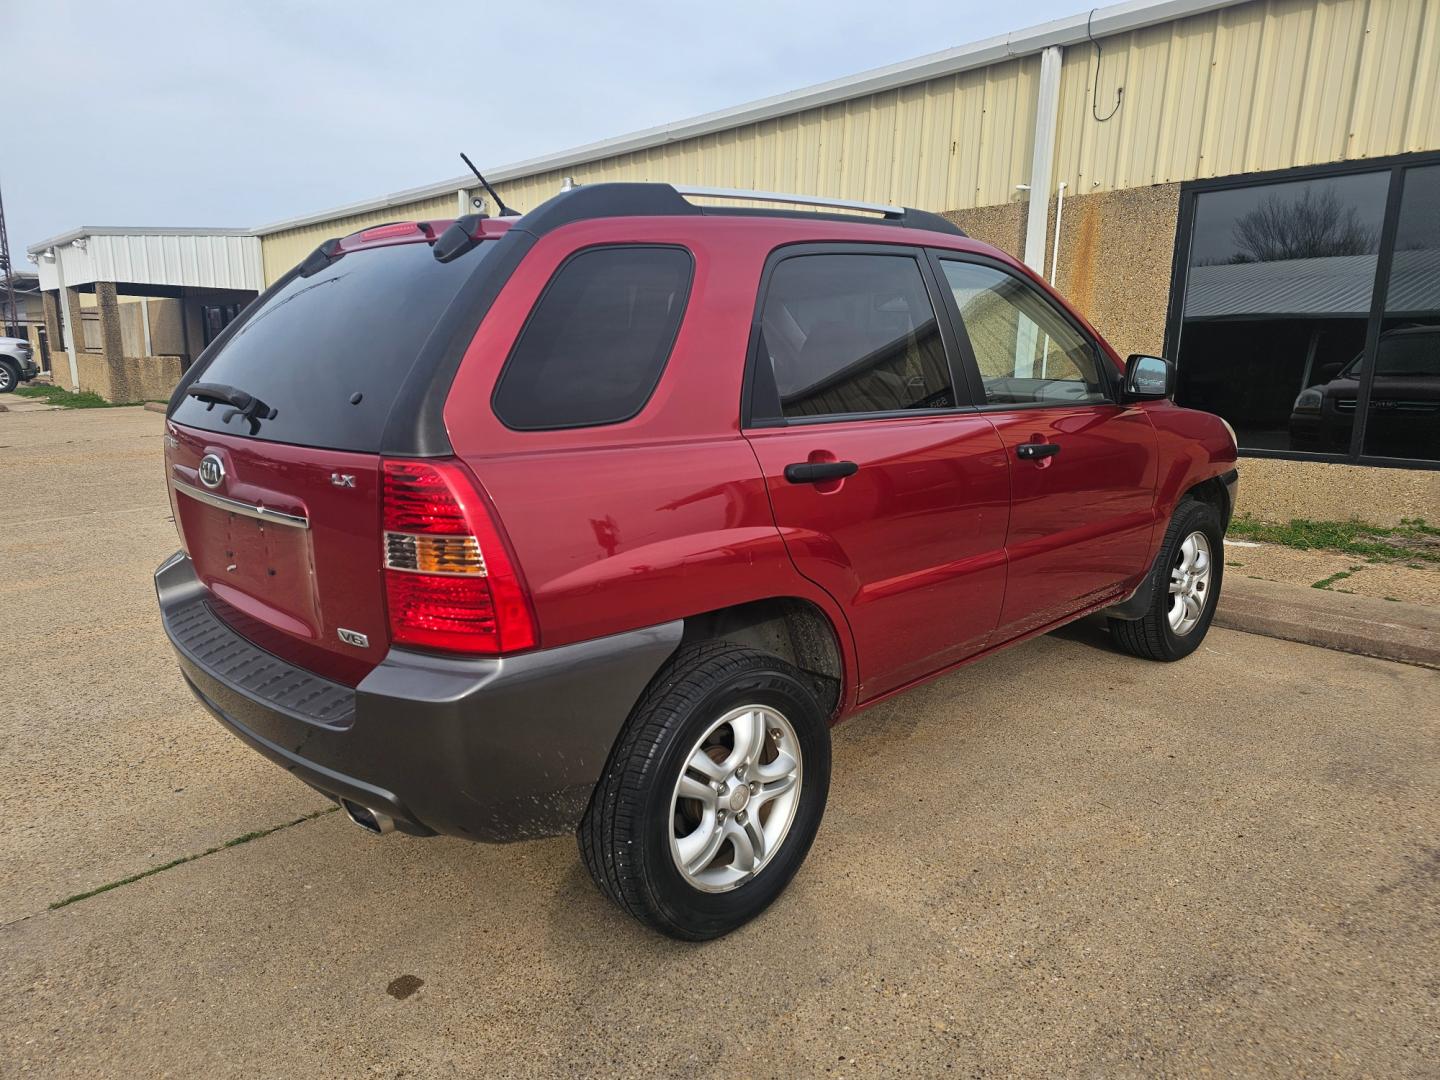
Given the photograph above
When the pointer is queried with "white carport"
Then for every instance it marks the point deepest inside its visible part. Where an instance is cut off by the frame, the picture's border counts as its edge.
(192, 281)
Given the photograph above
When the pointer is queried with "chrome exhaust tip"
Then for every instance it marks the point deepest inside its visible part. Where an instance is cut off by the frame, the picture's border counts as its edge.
(369, 820)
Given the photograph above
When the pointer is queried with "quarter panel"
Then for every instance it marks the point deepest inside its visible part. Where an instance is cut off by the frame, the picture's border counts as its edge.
(662, 516)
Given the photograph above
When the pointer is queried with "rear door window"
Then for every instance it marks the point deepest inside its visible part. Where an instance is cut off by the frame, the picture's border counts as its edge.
(849, 334)
(330, 352)
(594, 347)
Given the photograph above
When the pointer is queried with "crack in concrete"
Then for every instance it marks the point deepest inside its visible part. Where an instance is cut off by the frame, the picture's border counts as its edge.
(234, 842)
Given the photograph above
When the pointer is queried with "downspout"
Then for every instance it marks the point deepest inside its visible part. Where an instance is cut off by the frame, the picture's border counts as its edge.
(1042, 158)
(65, 321)
(1055, 250)
(145, 324)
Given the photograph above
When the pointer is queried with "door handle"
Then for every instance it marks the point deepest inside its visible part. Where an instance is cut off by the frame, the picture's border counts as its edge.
(1034, 451)
(813, 472)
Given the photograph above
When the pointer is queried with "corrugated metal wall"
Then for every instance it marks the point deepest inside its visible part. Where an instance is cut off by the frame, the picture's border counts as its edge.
(957, 141)
(283, 250)
(1264, 85)
(1259, 86)
(212, 261)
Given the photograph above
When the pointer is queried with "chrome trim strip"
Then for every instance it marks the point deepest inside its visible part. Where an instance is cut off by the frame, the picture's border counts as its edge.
(235, 506)
(785, 197)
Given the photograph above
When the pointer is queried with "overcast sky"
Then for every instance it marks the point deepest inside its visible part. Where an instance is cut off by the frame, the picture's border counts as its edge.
(241, 113)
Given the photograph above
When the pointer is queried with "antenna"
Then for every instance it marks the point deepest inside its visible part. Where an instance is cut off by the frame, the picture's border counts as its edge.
(505, 211)
(9, 271)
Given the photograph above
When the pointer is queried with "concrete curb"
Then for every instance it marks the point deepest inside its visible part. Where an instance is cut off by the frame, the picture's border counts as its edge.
(1386, 629)
(155, 406)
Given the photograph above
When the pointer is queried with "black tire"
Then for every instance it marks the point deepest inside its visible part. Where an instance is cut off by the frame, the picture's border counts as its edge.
(9, 376)
(625, 834)
(1152, 637)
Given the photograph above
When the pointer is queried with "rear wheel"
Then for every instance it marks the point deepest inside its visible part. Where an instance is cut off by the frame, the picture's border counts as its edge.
(9, 376)
(1184, 590)
(713, 794)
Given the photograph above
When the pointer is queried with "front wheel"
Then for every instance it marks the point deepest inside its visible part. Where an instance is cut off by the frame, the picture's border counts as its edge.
(713, 794)
(1184, 588)
(9, 376)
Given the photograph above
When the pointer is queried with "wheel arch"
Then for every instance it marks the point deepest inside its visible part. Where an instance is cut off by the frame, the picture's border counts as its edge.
(1215, 492)
(797, 630)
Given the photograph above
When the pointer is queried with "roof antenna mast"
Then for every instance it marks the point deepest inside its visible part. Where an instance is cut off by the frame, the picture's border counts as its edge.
(505, 211)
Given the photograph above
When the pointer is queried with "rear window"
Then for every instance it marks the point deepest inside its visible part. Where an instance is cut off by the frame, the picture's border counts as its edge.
(595, 345)
(351, 331)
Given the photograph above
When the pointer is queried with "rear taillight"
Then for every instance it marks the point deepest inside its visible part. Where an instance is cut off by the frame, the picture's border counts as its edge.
(449, 580)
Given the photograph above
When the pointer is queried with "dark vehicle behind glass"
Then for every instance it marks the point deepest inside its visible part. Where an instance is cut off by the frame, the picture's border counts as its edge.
(1404, 398)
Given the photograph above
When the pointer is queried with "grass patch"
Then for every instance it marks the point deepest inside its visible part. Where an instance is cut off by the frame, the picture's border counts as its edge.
(1340, 575)
(1410, 540)
(55, 395)
(236, 842)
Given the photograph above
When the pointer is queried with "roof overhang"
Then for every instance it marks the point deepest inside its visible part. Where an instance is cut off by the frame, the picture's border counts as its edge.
(167, 257)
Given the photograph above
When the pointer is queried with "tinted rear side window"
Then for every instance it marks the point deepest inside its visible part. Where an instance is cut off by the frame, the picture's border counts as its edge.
(355, 327)
(595, 345)
(849, 334)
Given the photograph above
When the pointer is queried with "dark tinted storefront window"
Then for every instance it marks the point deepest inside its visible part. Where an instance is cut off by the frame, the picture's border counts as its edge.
(1403, 419)
(1277, 297)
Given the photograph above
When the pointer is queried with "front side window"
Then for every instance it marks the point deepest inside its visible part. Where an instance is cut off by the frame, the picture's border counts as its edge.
(593, 349)
(1026, 352)
(849, 333)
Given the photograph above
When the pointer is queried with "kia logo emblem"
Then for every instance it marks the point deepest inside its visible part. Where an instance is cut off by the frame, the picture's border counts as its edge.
(212, 471)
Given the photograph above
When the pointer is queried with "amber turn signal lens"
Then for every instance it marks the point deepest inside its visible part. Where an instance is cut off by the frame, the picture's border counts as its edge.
(433, 554)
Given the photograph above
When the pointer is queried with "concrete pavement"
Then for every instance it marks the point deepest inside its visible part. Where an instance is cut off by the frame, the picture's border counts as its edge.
(1060, 861)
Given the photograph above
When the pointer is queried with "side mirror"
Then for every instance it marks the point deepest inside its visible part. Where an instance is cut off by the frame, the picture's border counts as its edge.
(1329, 371)
(1148, 378)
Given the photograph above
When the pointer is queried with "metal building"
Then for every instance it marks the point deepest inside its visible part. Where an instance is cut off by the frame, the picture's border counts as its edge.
(1250, 187)
(1158, 136)
(127, 310)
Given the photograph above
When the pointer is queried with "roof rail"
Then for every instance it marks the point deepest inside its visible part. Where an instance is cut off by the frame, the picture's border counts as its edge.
(797, 200)
(629, 199)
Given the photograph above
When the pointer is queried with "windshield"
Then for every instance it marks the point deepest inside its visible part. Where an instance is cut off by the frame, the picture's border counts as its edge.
(330, 352)
(1404, 353)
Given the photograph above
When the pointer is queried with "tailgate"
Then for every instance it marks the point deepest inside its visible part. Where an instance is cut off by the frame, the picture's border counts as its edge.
(286, 539)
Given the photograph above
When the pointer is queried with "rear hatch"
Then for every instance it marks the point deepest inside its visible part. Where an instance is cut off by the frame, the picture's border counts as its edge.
(280, 514)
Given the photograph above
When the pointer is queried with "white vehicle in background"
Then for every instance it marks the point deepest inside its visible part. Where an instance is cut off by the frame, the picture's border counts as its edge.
(17, 363)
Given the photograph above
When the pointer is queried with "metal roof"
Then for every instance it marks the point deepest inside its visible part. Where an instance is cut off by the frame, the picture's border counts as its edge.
(1072, 30)
(199, 258)
(1334, 286)
(130, 230)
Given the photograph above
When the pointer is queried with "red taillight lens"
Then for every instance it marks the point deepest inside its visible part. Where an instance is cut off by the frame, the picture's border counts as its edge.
(449, 580)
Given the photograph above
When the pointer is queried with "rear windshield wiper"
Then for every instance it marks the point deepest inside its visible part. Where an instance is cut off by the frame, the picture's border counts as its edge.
(241, 404)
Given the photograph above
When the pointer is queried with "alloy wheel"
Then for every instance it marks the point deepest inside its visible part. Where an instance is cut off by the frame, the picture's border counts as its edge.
(1190, 583)
(735, 799)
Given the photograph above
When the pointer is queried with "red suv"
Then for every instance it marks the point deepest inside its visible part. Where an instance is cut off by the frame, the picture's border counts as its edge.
(597, 518)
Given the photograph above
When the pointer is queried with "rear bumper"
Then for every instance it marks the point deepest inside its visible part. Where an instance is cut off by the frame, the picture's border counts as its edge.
(490, 749)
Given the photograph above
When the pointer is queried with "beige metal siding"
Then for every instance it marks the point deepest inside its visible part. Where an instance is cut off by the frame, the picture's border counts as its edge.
(904, 146)
(1260, 86)
(282, 250)
(953, 142)
(1263, 85)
